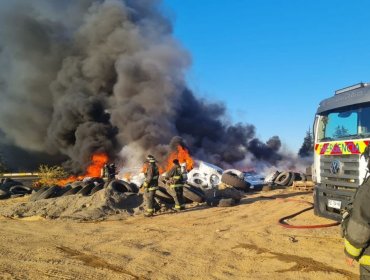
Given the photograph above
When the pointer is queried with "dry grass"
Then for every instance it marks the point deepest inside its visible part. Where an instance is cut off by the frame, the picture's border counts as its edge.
(50, 175)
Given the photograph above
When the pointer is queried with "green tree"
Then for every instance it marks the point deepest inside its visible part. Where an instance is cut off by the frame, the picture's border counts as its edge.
(307, 147)
(340, 131)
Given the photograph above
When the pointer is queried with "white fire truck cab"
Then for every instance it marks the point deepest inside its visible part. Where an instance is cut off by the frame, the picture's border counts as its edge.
(341, 134)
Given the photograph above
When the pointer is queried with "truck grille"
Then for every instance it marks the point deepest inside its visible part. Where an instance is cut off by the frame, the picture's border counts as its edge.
(348, 177)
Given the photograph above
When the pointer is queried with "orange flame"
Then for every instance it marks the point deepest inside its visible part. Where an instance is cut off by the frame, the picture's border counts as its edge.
(98, 160)
(182, 154)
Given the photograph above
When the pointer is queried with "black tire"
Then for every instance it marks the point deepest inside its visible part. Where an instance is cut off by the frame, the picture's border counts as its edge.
(8, 184)
(118, 186)
(303, 176)
(272, 177)
(85, 191)
(128, 186)
(283, 179)
(63, 190)
(72, 191)
(196, 189)
(164, 196)
(4, 194)
(192, 195)
(20, 190)
(36, 194)
(236, 182)
(49, 193)
(97, 188)
(292, 178)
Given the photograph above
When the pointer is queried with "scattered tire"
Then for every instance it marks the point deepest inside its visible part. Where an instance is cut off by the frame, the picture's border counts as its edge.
(85, 191)
(118, 186)
(4, 194)
(164, 196)
(292, 178)
(97, 188)
(271, 177)
(192, 194)
(72, 191)
(236, 182)
(283, 179)
(235, 172)
(49, 193)
(20, 190)
(213, 179)
(199, 182)
(34, 196)
(207, 168)
(8, 184)
(303, 176)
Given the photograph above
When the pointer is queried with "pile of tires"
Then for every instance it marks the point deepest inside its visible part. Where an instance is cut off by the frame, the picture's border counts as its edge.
(191, 194)
(10, 188)
(206, 176)
(225, 196)
(235, 178)
(282, 179)
(83, 188)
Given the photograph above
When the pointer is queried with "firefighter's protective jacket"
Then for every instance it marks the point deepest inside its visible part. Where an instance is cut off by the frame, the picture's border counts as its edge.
(357, 227)
(151, 176)
(174, 176)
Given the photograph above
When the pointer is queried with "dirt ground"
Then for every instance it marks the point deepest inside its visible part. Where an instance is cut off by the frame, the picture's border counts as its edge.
(241, 242)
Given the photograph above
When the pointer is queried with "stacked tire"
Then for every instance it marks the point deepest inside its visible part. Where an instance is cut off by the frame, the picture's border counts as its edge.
(10, 188)
(235, 179)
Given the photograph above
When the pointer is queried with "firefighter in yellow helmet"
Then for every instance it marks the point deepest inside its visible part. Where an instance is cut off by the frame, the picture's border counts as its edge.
(150, 184)
(176, 183)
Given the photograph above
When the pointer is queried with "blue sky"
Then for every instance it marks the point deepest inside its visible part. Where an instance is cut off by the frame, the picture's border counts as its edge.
(271, 62)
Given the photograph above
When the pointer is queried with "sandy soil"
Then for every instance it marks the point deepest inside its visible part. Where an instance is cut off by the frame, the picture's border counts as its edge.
(241, 242)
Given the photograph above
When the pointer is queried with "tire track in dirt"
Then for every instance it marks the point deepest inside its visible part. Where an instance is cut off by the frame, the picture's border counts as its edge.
(97, 262)
(301, 263)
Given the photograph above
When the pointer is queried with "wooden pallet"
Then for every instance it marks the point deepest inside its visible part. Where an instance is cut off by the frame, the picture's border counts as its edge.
(303, 185)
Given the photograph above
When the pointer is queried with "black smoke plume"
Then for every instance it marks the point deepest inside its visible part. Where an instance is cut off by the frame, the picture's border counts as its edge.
(79, 77)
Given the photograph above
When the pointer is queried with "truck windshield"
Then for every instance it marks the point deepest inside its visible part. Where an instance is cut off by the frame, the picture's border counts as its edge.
(345, 124)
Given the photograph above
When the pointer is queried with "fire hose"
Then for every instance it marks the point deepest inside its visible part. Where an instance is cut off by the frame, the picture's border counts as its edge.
(282, 221)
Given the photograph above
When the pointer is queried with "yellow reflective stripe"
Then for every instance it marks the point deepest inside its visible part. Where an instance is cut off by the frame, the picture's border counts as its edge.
(176, 177)
(176, 186)
(155, 177)
(365, 260)
(152, 189)
(177, 206)
(352, 250)
(149, 210)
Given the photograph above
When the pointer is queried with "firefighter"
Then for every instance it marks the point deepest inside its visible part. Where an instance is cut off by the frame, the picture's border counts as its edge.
(176, 182)
(356, 231)
(150, 184)
(109, 171)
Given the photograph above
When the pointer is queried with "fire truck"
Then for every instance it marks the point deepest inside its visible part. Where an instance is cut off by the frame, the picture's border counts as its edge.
(341, 134)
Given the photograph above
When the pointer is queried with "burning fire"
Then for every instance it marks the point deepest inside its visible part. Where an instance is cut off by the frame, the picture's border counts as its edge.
(182, 154)
(98, 160)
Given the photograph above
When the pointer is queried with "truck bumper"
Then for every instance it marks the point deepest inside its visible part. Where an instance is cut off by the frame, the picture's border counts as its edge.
(321, 200)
